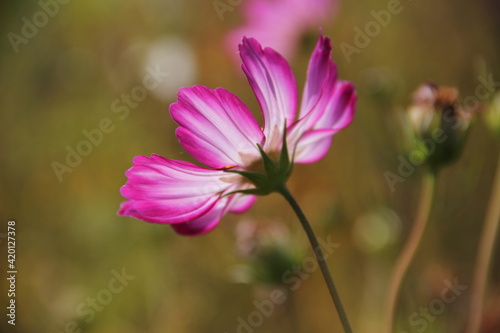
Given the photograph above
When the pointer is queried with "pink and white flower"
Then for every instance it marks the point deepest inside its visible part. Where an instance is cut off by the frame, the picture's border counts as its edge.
(218, 130)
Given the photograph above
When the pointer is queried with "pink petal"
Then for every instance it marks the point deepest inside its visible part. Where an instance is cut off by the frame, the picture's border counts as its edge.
(205, 223)
(242, 202)
(313, 146)
(237, 203)
(333, 113)
(272, 82)
(161, 190)
(216, 127)
(327, 102)
(339, 111)
(321, 79)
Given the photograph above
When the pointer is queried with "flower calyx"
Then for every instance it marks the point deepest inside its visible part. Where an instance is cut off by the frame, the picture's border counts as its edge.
(273, 174)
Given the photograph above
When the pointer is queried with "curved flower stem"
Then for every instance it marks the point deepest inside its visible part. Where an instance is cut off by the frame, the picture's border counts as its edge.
(319, 257)
(484, 254)
(410, 248)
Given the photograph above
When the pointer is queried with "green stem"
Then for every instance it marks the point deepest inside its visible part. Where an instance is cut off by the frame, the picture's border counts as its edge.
(484, 255)
(320, 258)
(410, 248)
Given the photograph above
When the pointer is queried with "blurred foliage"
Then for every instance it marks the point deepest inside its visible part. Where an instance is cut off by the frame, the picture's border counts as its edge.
(69, 240)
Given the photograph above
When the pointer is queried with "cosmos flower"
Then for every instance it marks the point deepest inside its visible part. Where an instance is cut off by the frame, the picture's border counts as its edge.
(243, 159)
(281, 23)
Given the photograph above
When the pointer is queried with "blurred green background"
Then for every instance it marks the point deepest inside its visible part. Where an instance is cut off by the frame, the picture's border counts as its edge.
(65, 79)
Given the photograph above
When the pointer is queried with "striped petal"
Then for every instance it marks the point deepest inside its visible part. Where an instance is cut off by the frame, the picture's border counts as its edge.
(327, 102)
(339, 111)
(237, 203)
(313, 146)
(327, 106)
(216, 127)
(321, 79)
(273, 83)
(161, 190)
(205, 223)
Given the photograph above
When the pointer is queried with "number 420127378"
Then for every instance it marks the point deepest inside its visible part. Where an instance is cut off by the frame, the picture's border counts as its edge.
(11, 244)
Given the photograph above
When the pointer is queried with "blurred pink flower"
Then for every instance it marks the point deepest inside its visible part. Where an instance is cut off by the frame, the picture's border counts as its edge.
(217, 129)
(280, 23)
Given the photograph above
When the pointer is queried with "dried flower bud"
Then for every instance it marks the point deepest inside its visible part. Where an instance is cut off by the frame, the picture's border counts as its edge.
(422, 111)
(436, 113)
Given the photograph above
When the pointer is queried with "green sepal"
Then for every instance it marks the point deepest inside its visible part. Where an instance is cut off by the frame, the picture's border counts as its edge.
(275, 176)
(269, 164)
(254, 191)
(254, 177)
(285, 165)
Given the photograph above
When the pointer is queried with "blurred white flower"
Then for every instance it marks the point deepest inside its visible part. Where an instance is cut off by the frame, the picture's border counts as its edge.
(176, 57)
